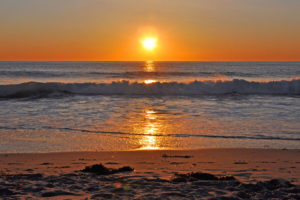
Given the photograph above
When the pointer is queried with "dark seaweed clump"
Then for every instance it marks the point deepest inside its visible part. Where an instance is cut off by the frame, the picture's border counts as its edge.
(194, 176)
(175, 156)
(102, 170)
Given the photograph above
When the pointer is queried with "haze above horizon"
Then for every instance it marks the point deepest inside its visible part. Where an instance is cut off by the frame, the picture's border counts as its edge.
(192, 30)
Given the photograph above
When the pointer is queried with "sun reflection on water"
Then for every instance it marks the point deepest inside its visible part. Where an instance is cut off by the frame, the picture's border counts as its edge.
(149, 81)
(151, 127)
(149, 143)
(149, 66)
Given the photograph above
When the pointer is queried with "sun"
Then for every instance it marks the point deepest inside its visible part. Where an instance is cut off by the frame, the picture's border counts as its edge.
(149, 43)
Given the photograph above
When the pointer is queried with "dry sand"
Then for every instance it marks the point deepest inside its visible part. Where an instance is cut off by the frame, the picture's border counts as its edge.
(58, 175)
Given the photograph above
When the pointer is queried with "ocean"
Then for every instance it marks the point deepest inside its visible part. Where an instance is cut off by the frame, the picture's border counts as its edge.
(96, 106)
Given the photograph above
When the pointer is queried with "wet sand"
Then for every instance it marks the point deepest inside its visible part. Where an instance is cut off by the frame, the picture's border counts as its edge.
(58, 175)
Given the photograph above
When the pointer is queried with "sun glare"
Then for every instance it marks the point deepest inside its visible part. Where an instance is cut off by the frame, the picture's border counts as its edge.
(149, 81)
(149, 43)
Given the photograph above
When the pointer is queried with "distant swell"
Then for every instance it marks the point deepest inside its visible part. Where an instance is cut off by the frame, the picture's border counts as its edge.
(129, 74)
(236, 86)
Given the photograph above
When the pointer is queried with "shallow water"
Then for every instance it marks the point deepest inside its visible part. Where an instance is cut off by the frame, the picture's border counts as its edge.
(159, 105)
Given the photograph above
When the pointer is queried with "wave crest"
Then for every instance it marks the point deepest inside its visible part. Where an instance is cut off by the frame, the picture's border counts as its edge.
(236, 86)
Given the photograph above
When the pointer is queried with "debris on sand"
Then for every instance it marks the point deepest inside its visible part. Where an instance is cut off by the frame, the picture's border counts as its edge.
(46, 163)
(240, 163)
(201, 176)
(175, 156)
(187, 186)
(102, 170)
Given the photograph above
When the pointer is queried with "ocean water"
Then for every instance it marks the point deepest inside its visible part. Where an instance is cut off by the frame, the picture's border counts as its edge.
(94, 106)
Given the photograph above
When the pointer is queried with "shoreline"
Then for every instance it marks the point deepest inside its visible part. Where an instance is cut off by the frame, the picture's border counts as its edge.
(154, 150)
(249, 167)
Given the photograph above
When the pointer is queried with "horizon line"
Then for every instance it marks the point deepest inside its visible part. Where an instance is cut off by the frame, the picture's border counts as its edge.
(149, 60)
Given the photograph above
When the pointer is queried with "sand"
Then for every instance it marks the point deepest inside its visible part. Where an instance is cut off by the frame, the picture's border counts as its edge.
(259, 174)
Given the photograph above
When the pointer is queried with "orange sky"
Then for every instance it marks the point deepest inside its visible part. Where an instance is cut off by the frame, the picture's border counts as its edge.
(221, 30)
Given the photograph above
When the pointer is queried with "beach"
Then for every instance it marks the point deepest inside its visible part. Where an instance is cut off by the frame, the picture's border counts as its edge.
(258, 174)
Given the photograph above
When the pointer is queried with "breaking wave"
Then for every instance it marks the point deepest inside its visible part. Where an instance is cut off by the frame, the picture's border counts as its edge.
(236, 86)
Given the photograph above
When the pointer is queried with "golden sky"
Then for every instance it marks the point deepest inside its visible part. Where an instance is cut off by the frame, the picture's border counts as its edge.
(202, 30)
